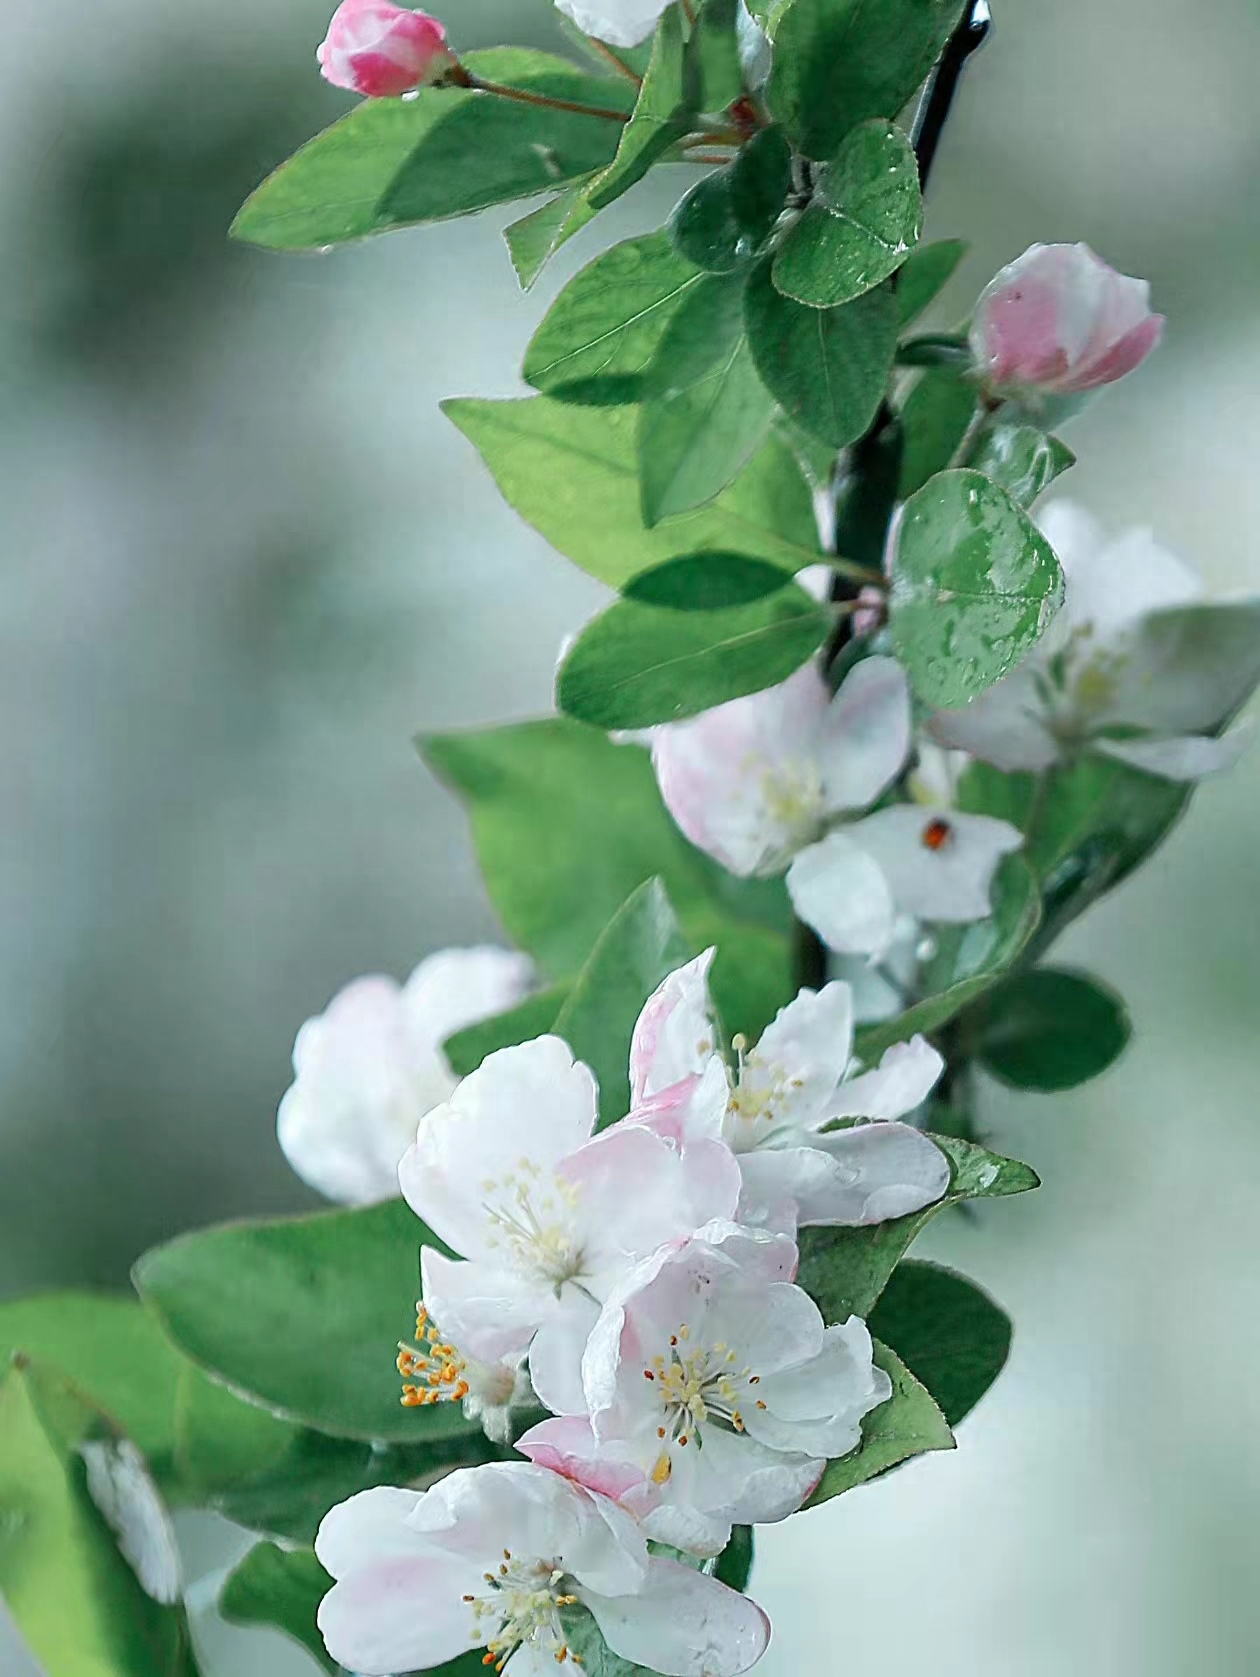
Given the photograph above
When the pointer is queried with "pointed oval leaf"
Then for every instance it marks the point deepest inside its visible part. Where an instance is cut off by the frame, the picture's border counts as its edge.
(925, 274)
(949, 1333)
(1048, 1029)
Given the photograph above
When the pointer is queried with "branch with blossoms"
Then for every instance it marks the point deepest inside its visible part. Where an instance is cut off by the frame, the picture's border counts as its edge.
(861, 733)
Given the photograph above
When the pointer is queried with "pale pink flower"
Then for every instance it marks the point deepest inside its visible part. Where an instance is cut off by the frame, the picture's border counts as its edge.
(381, 50)
(1060, 322)
(500, 1557)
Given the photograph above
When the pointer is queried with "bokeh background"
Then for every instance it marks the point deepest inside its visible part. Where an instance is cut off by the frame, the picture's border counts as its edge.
(246, 559)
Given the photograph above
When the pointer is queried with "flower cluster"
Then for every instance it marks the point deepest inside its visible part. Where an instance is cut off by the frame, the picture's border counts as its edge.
(638, 1282)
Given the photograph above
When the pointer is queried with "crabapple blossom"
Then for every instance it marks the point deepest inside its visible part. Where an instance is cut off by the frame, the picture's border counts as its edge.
(774, 1111)
(381, 50)
(1137, 665)
(775, 781)
(371, 1065)
(714, 1376)
(507, 1174)
(499, 1557)
(622, 23)
(1059, 322)
(435, 1372)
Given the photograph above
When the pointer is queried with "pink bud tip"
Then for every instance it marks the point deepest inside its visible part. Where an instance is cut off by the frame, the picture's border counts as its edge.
(1061, 322)
(381, 50)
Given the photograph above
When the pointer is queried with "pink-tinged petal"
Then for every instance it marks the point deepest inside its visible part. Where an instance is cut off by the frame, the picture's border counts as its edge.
(865, 738)
(839, 889)
(683, 1624)
(1061, 322)
(939, 864)
(566, 1444)
(817, 1408)
(879, 1171)
(523, 1110)
(674, 1036)
(691, 1111)
(382, 50)
(736, 1477)
(902, 1081)
(399, 1615)
(367, 1528)
(485, 1310)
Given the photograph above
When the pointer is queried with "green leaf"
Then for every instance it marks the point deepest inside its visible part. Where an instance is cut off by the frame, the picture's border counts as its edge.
(535, 238)
(706, 412)
(281, 1588)
(760, 178)
(907, 1424)
(602, 331)
(1048, 1029)
(533, 1017)
(77, 1602)
(974, 587)
(845, 1270)
(735, 1563)
(827, 368)
(635, 666)
(949, 1334)
(967, 960)
(704, 228)
(637, 951)
(572, 473)
(196, 1436)
(446, 153)
(567, 824)
(705, 582)
(935, 418)
(666, 100)
(924, 275)
(303, 1315)
(714, 49)
(1022, 459)
(839, 62)
(865, 219)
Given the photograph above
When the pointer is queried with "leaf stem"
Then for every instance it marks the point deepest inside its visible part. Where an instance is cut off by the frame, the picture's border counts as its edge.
(465, 78)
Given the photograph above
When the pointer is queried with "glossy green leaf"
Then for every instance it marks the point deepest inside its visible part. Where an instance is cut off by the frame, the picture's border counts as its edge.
(600, 334)
(636, 665)
(641, 945)
(924, 275)
(967, 960)
(845, 1270)
(839, 62)
(949, 1334)
(446, 153)
(714, 50)
(827, 368)
(1047, 1029)
(974, 587)
(567, 824)
(281, 1588)
(572, 473)
(705, 582)
(1022, 459)
(908, 1424)
(707, 412)
(666, 100)
(865, 219)
(302, 1315)
(735, 1563)
(535, 238)
(727, 216)
(760, 178)
(935, 419)
(75, 1599)
(535, 1016)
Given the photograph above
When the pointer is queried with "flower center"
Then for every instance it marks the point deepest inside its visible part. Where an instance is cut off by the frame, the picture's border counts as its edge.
(434, 1370)
(760, 1088)
(696, 1387)
(533, 1219)
(793, 795)
(521, 1603)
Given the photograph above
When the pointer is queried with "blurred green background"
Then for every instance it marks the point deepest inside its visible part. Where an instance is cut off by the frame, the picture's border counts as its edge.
(247, 559)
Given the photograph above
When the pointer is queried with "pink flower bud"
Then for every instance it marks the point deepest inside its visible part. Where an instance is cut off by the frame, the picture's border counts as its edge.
(381, 50)
(1061, 322)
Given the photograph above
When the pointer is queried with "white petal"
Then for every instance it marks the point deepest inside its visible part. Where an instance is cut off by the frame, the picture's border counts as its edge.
(524, 1108)
(485, 1310)
(1188, 670)
(1192, 757)
(455, 988)
(839, 889)
(818, 1407)
(879, 1171)
(866, 735)
(555, 1357)
(622, 23)
(1111, 584)
(674, 1036)
(1005, 726)
(683, 1624)
(946, 884)
(802, 1056)
(367, 1528)
(399, 1614)
(902, 1081)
